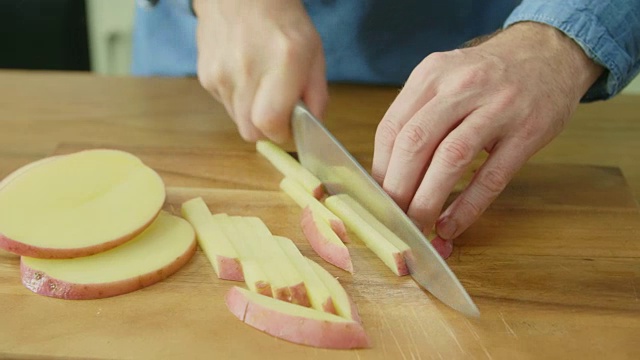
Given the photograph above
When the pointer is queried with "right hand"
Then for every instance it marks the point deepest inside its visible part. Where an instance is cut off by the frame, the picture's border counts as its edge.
(258, 58)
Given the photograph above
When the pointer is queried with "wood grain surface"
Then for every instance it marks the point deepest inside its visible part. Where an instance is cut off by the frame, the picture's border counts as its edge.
(554, 264)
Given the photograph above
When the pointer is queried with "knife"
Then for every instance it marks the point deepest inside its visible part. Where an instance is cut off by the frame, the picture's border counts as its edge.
(324, 156)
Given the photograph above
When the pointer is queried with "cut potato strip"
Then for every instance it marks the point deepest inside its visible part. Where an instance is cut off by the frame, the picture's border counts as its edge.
(279, 288)
(289, 167)
(324, 241)
(345, 307)
(375, 223)
(253, 273)
(319, 295)
(292, 288)
(294, 323)
(212, 240)
(304, 199)
(383, 248)
(82, 204)
(161, 250)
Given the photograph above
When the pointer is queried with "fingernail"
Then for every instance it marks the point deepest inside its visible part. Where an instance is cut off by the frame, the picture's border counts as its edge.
(446, 227)
(442, 246)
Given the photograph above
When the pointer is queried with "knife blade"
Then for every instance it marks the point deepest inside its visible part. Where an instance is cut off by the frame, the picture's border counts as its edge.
(322, 154)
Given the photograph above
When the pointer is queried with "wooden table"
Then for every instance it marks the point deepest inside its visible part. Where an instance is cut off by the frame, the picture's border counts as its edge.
(554, 264)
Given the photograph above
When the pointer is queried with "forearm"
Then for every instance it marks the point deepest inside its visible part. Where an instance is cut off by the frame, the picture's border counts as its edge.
(608, 32)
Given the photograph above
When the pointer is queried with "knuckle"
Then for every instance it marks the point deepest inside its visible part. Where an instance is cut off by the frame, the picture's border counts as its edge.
(473, 78)
(213, 79)
(427, 65)
(508, 98)
(493, 181)
(412, 139)
(455, 153)
(290, 48)
(435, 58)
(386, 134)
(469, 209)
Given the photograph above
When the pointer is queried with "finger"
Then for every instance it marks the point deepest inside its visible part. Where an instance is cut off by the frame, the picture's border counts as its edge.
(277, 94)
(316, 94)
(242, 109)
(486, 185)
(417, 91)
(442, 246)
(414, 147)
(450, 160)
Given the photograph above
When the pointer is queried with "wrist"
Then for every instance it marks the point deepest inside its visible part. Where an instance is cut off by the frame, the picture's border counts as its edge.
(526, 41)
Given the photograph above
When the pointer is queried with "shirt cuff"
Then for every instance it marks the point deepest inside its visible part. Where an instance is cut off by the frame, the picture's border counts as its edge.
(589, 31)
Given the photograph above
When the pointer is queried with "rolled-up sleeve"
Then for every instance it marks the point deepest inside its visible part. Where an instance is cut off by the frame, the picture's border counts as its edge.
(607, 31)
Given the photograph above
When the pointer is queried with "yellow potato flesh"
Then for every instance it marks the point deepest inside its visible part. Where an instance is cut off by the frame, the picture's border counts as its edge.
(316, 289)
(380, 246)
(288, 308)
(303, 198)
(211, 238)
(80, 200)
(339, 295)
(373, 222)
(288, 166)
(167, 238)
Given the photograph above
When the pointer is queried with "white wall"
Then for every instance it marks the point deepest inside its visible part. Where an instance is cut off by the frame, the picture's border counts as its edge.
(110, 25)
(634, 87)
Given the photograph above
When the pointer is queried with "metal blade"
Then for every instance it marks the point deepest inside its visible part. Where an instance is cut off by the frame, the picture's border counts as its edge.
(325, 157)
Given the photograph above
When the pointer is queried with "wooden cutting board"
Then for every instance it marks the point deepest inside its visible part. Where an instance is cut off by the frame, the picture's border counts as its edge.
(553, 265)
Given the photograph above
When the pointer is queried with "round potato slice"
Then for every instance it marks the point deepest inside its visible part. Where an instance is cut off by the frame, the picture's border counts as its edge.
(78, 204)
(161, 250)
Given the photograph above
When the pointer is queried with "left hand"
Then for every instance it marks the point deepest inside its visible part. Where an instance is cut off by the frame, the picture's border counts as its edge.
(510, 96)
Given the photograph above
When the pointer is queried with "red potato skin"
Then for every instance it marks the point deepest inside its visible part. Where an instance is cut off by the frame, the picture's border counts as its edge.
(23, 249)
(230, 269)
(401, 264)
(42, 284)
(283, 294)
(338, 256)
(299, 295)
(347, 335)
(264, 288)
(340, 229)
(329, 307)
(318, 192)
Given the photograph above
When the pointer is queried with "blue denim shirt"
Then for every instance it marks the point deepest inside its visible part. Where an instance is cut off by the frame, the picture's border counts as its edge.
(381, 41)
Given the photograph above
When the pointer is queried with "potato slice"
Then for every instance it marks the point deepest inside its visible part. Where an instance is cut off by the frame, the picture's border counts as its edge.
(78, 204)
(319, 295)
(212, 240)
(295, 323)
(286, 281)
(376, 242)
(290, 167)
(374, 223)
(161, 250)
(304, 199)
(253, 273)
(23, 170)
(324, 241)
(345, 307)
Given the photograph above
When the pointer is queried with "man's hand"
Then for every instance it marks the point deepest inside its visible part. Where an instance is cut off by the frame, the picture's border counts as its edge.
(510, 96)
(258, 58)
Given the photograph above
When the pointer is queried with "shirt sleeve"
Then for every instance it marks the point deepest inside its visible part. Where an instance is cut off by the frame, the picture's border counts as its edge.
(607, 31)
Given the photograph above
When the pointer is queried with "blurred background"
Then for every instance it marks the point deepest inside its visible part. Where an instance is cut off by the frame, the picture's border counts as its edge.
(77, 35)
